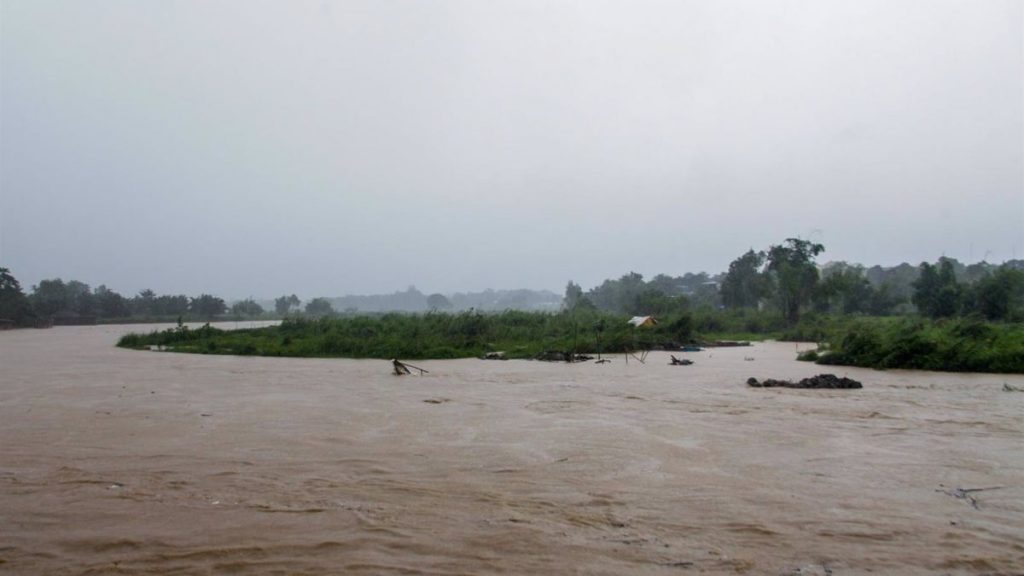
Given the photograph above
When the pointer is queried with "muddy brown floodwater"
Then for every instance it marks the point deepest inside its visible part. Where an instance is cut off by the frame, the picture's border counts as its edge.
(124, 462)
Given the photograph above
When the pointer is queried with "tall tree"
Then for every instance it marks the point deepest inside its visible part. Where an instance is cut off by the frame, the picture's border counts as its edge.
(438, 302)
(667, 285)
(573, 294)
(936, 292)
(14, 304)
(1000, 295)
(284, 304)
(247, 307)
(796, 276)
(207, 306)
(845, 289)
(744, 284)
(319, 307)
(144, 304)
(110, 304)
(80, 298)
(618, 295)
(168, 305)
(49, 297)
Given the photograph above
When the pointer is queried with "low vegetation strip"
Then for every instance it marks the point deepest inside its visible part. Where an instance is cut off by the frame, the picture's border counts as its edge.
(423, 336)
(952, 345)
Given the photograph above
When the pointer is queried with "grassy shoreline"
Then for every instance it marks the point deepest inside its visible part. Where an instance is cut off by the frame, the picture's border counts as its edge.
(955, 345)
(423, 336)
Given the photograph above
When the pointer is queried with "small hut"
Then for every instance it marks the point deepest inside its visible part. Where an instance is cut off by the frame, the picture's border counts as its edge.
(643, 321)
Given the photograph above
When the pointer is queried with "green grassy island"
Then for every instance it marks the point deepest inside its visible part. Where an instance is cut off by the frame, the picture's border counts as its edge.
(956, 345)
(422, 336)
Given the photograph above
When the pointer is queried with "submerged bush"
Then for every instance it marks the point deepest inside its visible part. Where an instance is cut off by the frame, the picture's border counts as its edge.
(961, 345)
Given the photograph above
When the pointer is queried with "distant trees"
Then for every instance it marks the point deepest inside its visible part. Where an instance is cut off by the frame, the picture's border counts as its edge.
(1000, 295)
(54, 296)
(248, 308)
(49, 297)
(207, 306)
(618, 295)
(438, 302)
(995, 294)
(795, 275)
(147, 304)
(937, 294)
(14, 305)
(110, 304)
(573, 294)
(144, 304)
(656, 303)
(844, 289)
(630, 294)
(319, 307)
(784, 277)
(745, 285)
(172, 306)
(666, 285)
(284, 304)
(897, 281)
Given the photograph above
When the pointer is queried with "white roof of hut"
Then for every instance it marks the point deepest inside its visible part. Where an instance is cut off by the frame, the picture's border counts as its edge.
(645, 321)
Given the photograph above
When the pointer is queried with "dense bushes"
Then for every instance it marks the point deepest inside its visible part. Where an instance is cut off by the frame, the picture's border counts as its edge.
(955, 345)
(432, 335)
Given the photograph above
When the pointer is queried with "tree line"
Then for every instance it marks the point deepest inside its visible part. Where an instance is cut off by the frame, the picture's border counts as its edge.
(69, 302)
(763, 290)
(785, 280)
(54, 300)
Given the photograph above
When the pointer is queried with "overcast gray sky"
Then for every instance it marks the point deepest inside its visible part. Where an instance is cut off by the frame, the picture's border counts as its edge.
(326, 148)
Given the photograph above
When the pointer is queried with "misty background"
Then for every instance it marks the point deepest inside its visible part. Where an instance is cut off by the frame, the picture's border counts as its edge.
(329, 148)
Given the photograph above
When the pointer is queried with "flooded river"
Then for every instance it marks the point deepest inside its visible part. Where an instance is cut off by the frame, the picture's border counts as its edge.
(124, 462)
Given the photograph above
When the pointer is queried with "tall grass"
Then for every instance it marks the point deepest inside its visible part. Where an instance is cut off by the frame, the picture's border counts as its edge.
(433, 335)
(960, 345)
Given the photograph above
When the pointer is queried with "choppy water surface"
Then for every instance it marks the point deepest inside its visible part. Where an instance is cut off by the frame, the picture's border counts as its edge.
(117, 461)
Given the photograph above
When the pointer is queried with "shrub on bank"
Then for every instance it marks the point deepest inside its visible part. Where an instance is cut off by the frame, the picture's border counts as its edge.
(955, 345)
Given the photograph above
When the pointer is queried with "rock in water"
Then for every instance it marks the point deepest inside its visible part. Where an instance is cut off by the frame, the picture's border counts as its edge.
(826, 381)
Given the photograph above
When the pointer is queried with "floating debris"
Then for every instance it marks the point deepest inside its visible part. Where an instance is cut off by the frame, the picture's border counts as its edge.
(559, 356)
(680, 361)
(401, 368)
(830, 381)
(965, 494)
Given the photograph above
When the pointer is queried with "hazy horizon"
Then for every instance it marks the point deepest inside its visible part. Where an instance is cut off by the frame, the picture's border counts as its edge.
(334, 148)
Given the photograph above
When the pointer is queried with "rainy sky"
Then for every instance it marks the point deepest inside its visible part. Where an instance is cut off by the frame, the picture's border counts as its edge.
(247, 148)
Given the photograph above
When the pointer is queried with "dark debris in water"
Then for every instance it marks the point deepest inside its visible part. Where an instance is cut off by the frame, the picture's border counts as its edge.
(821, 381)
(966, 494)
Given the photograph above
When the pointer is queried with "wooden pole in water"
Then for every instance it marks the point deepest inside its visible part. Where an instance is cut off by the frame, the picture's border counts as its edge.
(422, 371)
(575, 331)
